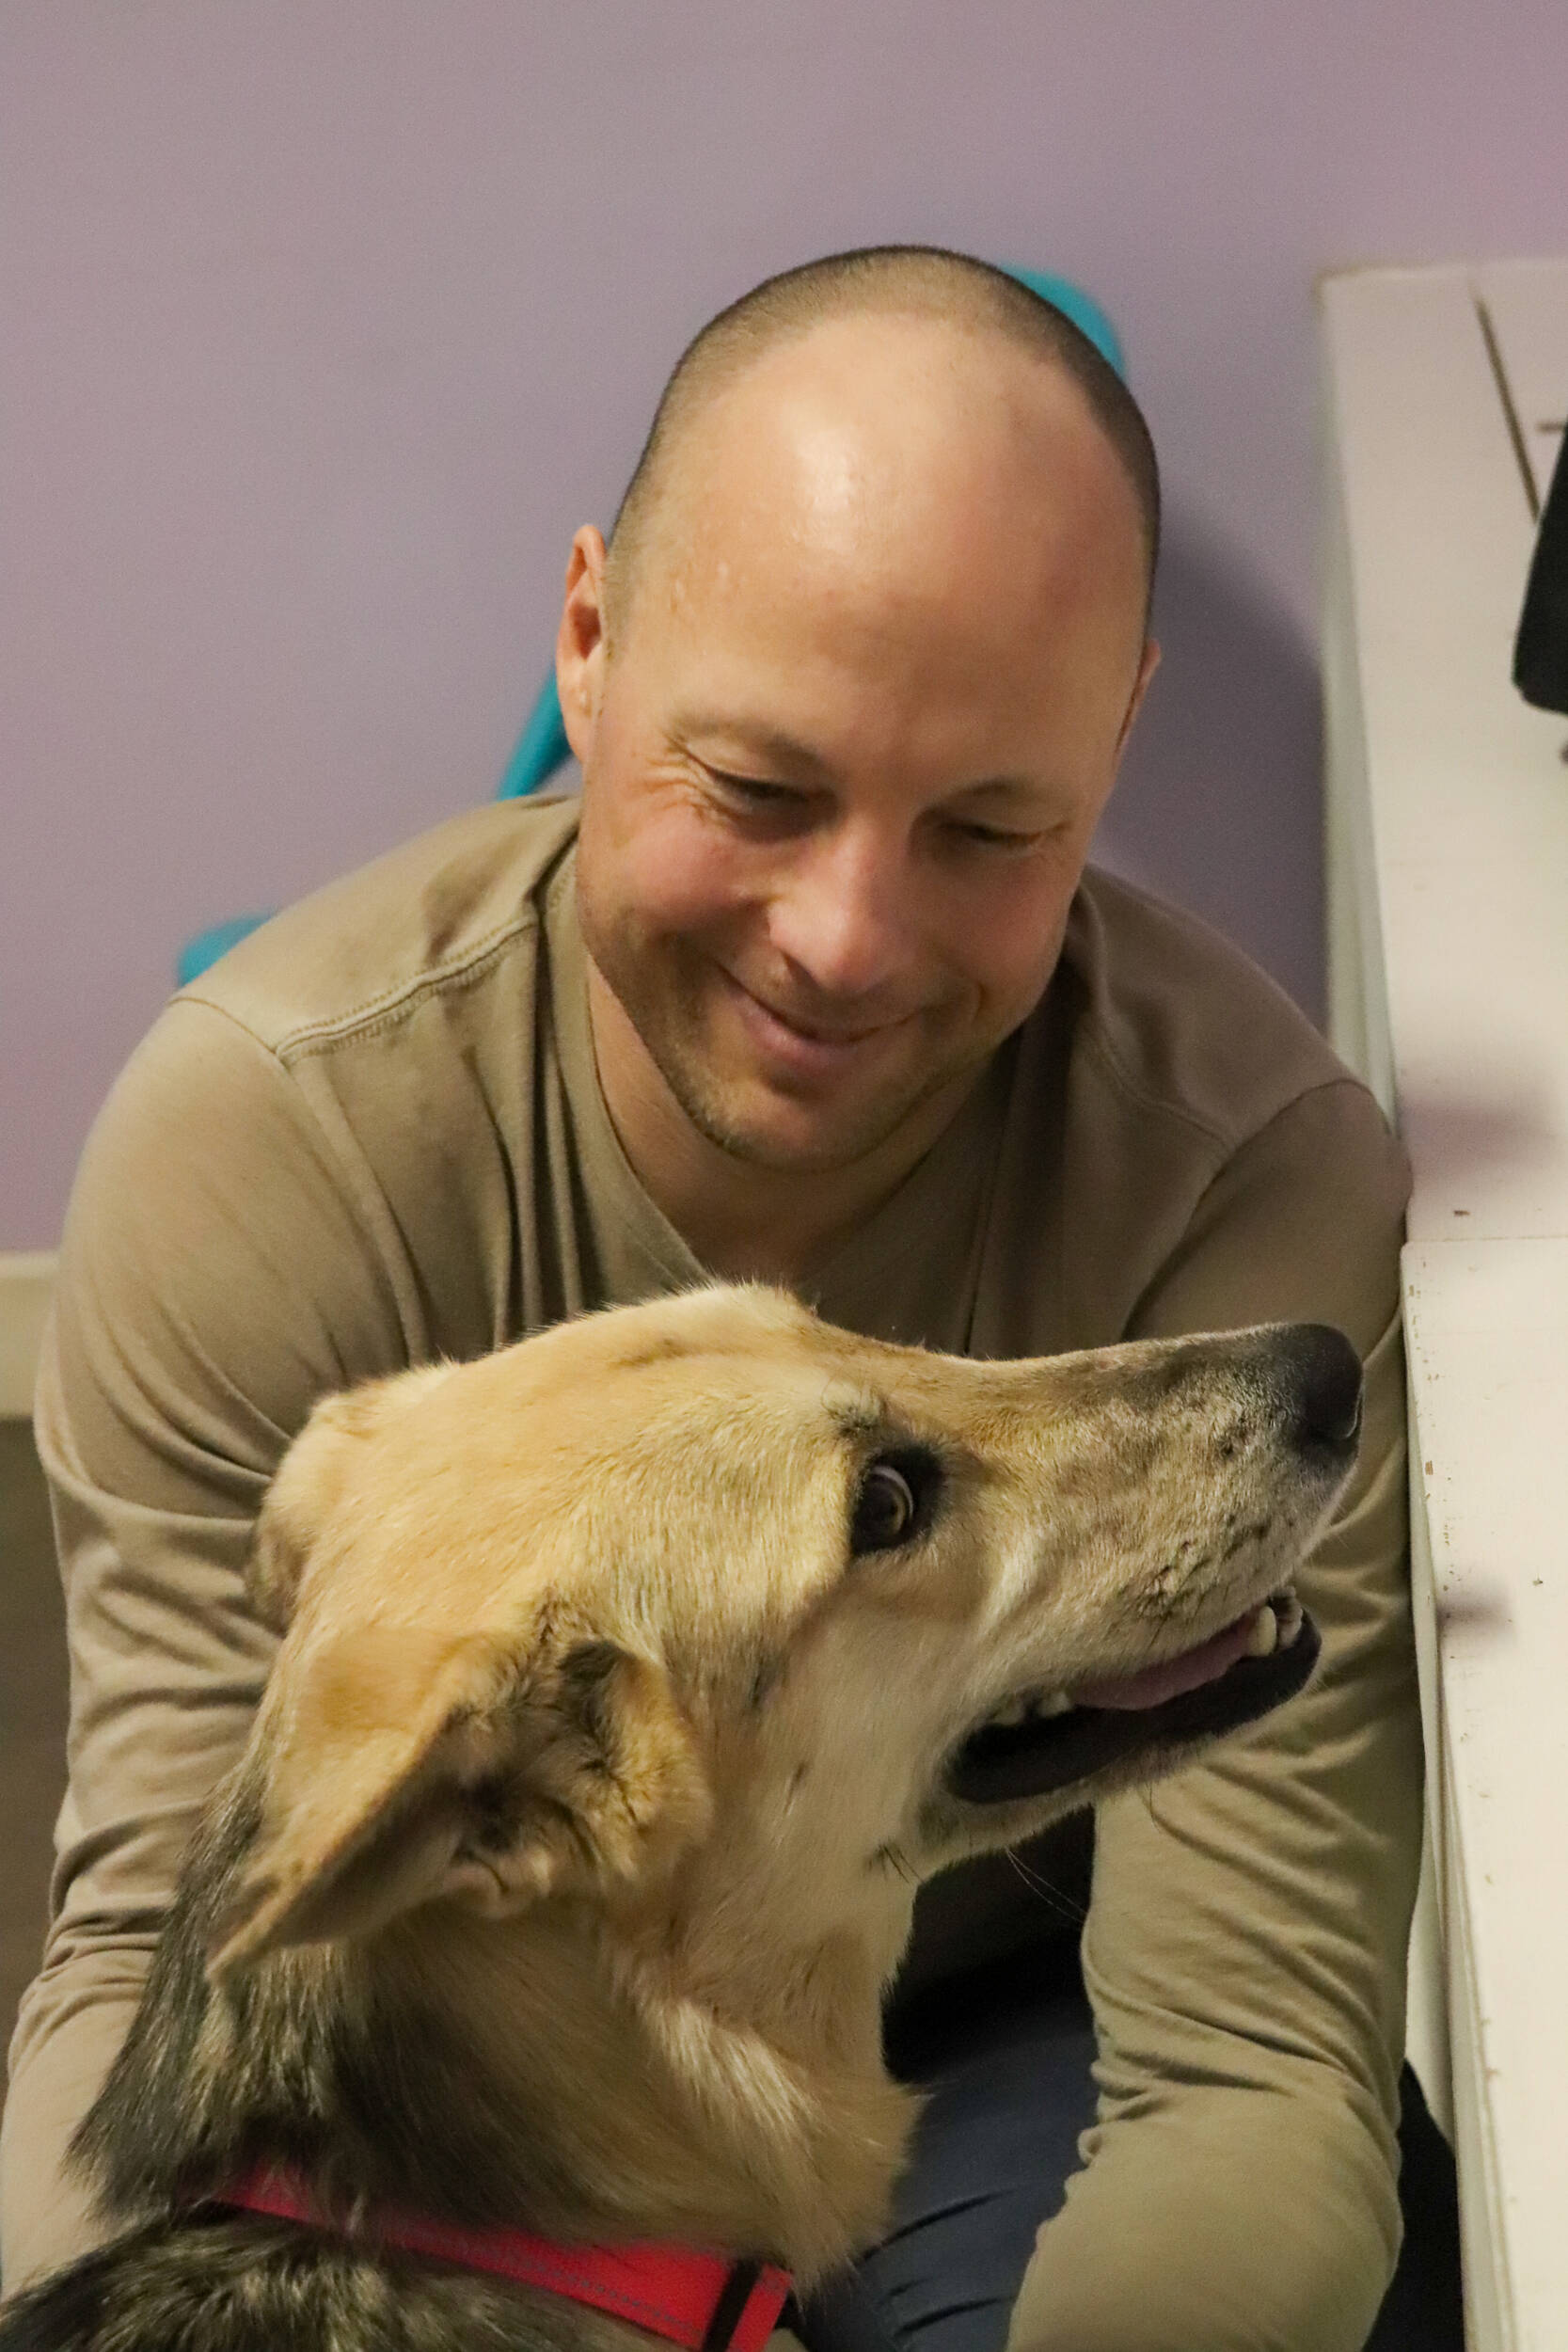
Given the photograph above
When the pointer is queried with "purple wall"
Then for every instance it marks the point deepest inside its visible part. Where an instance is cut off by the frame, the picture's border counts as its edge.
(327, 320)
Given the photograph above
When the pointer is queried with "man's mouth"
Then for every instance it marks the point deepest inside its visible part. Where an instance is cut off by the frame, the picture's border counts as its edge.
(798, 1037)
(814, 1031)
(1046, 1740)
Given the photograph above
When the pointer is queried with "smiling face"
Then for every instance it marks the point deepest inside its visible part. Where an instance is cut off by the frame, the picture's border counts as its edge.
(844, 754)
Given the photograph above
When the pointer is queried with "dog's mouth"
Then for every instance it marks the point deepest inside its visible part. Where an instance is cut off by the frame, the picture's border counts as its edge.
(1042, 1740)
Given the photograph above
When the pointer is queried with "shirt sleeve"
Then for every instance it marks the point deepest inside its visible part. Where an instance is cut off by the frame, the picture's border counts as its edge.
(1247, 1942)
(215, 1278)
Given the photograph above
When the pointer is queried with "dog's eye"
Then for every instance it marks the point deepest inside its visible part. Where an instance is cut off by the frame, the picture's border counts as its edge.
(892, 1502)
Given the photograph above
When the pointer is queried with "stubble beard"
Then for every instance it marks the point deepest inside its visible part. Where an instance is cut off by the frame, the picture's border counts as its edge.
(855, 1136)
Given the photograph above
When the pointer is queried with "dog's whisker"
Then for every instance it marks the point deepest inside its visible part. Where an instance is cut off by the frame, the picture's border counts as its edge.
(892, 1857)
(1060, 1903)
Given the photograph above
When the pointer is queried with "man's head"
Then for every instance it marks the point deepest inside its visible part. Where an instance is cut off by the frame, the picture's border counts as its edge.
(849, 690)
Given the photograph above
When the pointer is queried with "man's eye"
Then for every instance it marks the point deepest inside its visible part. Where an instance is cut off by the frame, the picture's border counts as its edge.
(992, 836)
(755, 791)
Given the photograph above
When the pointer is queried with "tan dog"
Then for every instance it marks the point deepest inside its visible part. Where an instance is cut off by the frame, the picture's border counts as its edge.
(632, 1678)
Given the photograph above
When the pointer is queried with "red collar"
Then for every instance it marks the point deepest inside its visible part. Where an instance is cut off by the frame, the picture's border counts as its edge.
(704, 2302)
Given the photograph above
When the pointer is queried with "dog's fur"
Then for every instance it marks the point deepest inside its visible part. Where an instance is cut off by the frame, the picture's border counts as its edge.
(615, 1721)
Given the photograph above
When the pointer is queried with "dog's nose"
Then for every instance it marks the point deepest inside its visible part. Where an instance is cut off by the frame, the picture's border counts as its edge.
(1322, 1373)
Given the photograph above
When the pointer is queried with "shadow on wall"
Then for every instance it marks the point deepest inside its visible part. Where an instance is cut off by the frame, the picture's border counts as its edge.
(1220, 803)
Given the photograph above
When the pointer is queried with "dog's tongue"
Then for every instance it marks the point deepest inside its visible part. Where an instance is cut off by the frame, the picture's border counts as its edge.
(1158, 1683)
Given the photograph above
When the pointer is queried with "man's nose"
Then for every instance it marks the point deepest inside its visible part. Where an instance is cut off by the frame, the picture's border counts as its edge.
(843, 911)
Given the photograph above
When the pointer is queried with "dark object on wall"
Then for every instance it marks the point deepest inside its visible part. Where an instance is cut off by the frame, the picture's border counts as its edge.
(1541, 649)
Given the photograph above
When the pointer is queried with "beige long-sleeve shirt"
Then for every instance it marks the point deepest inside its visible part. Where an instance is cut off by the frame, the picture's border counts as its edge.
(375, 1132)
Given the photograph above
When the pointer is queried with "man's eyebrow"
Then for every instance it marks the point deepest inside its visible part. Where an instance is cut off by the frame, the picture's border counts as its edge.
(754, 735)
(1013, 787)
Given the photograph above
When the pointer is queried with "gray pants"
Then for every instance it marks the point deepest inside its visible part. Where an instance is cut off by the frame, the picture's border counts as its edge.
(1007, 2056)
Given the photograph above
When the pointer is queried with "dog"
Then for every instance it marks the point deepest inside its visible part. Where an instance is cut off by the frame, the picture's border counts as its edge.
(631, 1680)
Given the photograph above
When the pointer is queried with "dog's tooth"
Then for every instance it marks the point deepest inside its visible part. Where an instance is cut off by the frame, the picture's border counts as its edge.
(1287, 1610)
(1264, 1636)
(1031, 1708)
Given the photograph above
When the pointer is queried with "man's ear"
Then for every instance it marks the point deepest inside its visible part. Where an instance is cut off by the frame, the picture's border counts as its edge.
(400, 1765)
(580, 641)
(1149, 663)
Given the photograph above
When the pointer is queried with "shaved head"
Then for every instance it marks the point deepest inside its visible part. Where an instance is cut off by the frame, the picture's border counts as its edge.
(969, 297)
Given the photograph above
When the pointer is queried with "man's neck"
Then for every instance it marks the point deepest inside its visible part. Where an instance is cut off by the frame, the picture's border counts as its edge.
(745, 1220)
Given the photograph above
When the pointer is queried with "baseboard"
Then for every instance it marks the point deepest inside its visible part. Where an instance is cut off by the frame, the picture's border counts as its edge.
(27, 1279)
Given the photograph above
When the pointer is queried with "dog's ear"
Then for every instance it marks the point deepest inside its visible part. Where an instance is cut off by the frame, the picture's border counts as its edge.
(397, 1766)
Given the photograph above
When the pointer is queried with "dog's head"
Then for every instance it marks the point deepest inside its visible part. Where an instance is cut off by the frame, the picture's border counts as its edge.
(730, 1626)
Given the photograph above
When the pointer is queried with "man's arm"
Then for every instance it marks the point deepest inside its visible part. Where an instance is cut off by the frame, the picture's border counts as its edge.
(1245, 1950)
(215, 1278)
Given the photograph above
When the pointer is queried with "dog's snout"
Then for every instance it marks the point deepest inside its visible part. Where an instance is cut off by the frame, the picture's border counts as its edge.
(1320, 1373)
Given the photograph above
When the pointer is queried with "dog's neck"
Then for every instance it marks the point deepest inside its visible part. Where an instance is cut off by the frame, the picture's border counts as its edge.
(789, 2128)
(552, 2099)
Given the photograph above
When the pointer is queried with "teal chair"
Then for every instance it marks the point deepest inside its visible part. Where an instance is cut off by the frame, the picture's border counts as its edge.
(542, 747)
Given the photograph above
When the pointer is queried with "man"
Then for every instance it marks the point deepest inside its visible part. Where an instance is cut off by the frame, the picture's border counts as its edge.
(817, 989)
